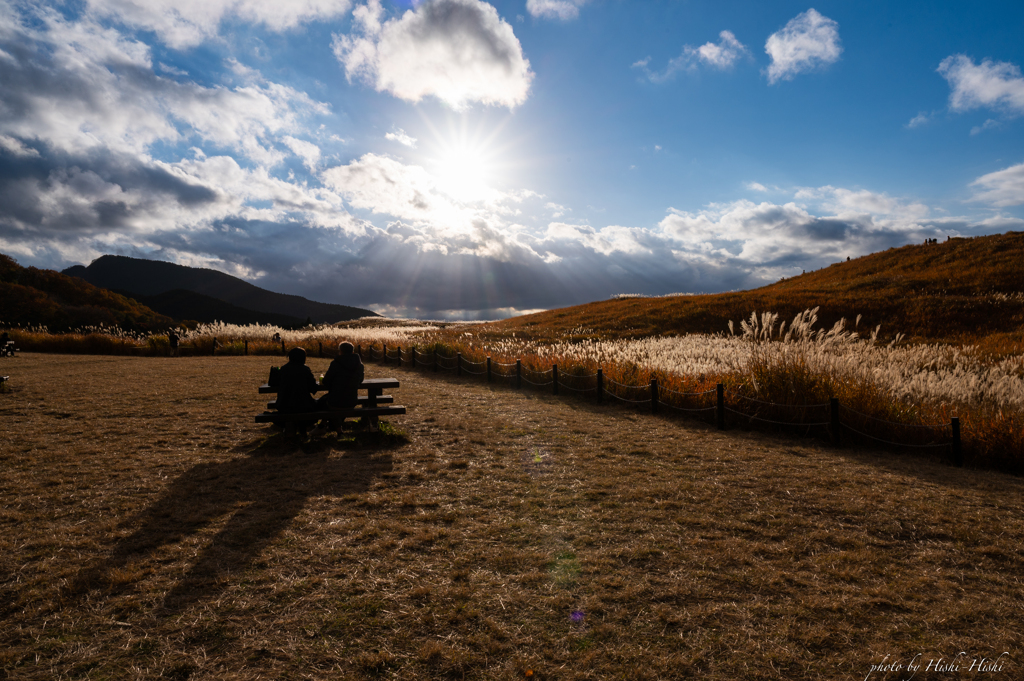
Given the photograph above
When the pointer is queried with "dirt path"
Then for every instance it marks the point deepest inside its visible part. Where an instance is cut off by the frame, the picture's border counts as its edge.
(149, 528)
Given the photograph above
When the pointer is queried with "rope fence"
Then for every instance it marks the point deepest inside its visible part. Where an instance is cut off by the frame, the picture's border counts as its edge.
(842, 421)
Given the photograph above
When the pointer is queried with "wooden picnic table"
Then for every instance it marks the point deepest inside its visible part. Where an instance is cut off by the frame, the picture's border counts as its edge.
(370, 407)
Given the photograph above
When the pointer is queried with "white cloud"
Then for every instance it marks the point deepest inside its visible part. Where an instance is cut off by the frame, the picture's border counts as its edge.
(307, 151)
(555, 9)
(722, 56)
(987, 125)
(849, 203)
(1003, 187)
(809, 40)
(16, 147)
(385, 186)
(996, 85)
(756, 187)
(400, 137)
(771, 240)
(557, 210)
(186, 23)
(919, 120)
(90, 88)
(459, 51)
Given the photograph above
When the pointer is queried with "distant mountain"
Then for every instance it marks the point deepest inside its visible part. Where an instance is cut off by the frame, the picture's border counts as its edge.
(30, 297)
(146, 279)
(189, 305)
(960, 289)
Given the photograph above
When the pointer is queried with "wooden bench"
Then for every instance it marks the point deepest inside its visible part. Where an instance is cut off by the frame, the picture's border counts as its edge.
(362, 400)
(368, 407)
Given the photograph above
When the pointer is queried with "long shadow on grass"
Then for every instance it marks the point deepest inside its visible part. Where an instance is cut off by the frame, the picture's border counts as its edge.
(260, 494)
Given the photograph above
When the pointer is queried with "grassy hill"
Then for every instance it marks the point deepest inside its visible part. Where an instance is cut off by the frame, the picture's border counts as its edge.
(145, 278)
(30, 296)
(182, 304)
(961, 289)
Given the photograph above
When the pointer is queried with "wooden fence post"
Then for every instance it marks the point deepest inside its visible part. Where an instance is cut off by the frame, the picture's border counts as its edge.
(554, 377)
(488, 369)
(213, 348)
(720, 407)
(414, 357)
(958, 457)
(283, 352)
(833, 403)
(384, 354)
(519, 374)
(321, 344)
(247, 347)
(600, 385)
(458, 363)
(359, 350)
(654, 395)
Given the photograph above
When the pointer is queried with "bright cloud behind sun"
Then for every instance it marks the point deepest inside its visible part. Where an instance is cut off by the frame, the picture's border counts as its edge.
(461, 155)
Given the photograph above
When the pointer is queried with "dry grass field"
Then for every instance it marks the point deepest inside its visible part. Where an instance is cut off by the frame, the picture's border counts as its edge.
(150, 529)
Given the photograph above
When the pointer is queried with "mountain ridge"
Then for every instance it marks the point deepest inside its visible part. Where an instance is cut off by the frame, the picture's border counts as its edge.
(147, 279)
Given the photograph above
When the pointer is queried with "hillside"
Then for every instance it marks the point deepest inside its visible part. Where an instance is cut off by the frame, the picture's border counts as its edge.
(962, 289)
(30, 296)
(188, 305)
(143, 278)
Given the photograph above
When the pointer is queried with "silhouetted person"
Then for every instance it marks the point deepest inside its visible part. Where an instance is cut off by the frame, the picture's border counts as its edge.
(172, 339)
(295, 385)
(342, 382)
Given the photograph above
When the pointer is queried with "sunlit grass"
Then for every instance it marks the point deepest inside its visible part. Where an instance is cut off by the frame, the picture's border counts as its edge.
(785, 363)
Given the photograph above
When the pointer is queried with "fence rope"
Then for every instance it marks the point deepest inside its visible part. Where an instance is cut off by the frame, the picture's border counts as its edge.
(475, 373)
(672, 406)
(779, 423)
(895, 423)
(890, 442)
(676, 392)
(631, 387)
(499, 364)
(539, 385)
(576, 390)
(623, 399)
(777, 404)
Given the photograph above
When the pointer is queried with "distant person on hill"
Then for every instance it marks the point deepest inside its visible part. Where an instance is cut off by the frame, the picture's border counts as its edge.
(342, 382)
(172, 338)
(295, 385)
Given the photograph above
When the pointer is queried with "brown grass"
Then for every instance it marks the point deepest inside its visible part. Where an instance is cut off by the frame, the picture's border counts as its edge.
(148, 528)
(945, 292)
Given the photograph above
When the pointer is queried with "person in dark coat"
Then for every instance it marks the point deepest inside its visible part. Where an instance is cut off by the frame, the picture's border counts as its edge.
(343, 378)
(295, 385)
(172, 340)
(342, 382)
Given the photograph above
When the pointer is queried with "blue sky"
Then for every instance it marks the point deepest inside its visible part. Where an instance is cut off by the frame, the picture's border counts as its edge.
(454, 158)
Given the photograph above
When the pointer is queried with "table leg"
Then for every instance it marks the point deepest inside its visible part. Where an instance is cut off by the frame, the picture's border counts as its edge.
(371, 402)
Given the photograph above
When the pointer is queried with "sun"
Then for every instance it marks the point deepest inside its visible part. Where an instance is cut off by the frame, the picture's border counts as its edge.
(464, 172)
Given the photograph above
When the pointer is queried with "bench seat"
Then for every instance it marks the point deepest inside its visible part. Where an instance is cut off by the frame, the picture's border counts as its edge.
(353, 412)
(362, 401)
(375, 384)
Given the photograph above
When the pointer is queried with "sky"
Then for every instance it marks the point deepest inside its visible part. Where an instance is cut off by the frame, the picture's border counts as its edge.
(455, 159)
